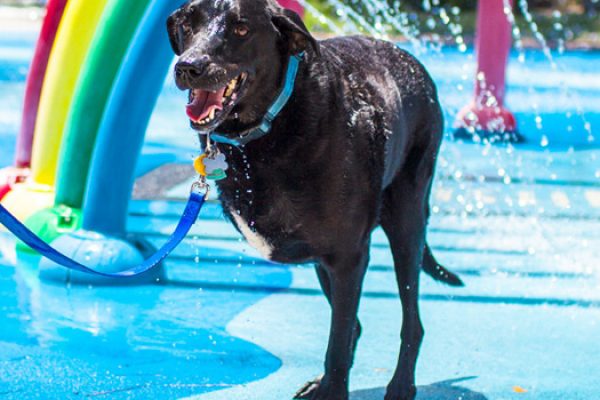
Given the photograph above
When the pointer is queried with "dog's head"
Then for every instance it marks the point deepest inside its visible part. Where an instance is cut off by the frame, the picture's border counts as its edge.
(232, 54)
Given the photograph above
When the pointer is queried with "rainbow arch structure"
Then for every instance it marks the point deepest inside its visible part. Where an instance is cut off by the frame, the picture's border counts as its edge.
(67, 157)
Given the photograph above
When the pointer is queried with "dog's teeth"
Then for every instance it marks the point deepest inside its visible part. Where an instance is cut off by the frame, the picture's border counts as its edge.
(212, 114)
(230, 87)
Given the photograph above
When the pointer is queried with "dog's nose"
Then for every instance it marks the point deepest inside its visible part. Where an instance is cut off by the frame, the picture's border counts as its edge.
(189, 70)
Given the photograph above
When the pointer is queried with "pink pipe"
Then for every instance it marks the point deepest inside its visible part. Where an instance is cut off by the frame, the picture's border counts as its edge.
(9, 177)
(487, 113)
(292, 5)
(4, 189)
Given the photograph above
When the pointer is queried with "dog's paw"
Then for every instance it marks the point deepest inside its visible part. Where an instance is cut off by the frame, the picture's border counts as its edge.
(403, 393)
(317, 389)
(320, 389)
(309, 389)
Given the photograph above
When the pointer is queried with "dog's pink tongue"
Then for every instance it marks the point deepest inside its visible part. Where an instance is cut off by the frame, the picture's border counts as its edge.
(204, 102)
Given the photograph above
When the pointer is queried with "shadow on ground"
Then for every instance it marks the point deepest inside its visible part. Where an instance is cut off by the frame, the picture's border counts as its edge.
(444, 390)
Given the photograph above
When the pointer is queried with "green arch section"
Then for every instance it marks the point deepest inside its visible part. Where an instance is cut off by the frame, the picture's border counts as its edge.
(114, 34)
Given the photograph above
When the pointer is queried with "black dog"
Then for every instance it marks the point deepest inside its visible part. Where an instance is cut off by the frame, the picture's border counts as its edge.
(354, 147)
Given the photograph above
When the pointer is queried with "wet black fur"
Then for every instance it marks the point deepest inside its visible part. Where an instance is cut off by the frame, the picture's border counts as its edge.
(355, 148)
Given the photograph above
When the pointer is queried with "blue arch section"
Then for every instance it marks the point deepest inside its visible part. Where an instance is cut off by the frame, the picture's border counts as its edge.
(125, 121)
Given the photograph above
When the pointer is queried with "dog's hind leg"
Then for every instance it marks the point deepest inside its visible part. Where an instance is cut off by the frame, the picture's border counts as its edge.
(404, 219)
(309, 389)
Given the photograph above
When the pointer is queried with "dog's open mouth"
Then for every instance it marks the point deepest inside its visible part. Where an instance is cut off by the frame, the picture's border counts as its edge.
(207, 109)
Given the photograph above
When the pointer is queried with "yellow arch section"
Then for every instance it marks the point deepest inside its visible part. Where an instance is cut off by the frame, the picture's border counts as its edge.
(73, 40)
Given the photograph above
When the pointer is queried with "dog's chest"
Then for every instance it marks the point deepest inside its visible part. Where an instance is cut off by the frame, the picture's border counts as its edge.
(270, 222)
(263, 245)
(277, 236)
(270, 197)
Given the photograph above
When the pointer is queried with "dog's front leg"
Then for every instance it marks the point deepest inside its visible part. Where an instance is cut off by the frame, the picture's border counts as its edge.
(346, 273)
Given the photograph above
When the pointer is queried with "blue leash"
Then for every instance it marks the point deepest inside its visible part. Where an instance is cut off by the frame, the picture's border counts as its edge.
(189, 217)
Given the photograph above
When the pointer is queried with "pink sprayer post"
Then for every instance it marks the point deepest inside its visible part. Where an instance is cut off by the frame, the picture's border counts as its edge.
(293, 5)
(486, 114)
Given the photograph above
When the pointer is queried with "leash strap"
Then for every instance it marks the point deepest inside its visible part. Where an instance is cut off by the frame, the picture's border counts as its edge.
(189, 217)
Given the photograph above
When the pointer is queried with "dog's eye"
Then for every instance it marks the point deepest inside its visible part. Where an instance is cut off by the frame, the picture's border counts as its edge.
(241, 30)
(195, 19)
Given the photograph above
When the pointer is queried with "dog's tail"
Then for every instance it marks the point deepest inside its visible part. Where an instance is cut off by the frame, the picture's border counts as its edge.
(438, 272)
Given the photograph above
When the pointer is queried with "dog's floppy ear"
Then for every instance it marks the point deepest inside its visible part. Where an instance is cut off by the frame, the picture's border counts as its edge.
(176, 32)
(290, 25)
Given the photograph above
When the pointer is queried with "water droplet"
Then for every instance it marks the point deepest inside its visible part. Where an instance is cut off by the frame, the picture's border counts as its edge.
(430, 23)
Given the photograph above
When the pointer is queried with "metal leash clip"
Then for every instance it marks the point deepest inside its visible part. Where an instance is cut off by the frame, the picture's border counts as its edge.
(200, 185)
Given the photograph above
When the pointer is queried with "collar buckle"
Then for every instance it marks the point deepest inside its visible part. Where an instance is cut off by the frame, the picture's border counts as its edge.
(265, 125)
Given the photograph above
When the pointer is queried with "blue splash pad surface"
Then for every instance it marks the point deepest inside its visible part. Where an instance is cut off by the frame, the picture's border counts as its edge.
(163, 341)
(228, 325)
